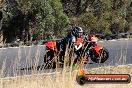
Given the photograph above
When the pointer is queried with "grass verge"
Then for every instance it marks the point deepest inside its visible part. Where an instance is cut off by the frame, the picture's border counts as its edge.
(65, 79)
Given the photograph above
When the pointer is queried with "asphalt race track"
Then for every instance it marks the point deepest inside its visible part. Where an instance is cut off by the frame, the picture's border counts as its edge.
(13, 59)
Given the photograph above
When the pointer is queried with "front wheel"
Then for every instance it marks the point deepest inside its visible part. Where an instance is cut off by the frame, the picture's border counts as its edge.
(99, 58)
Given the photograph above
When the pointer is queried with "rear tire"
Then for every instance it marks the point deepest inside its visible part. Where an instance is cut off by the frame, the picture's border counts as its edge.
(47, 58)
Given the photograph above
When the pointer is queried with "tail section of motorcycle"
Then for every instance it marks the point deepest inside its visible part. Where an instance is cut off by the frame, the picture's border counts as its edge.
(53, 57)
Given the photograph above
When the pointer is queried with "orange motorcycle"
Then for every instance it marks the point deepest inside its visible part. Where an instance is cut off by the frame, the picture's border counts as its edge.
(97, 53)
(90, 50)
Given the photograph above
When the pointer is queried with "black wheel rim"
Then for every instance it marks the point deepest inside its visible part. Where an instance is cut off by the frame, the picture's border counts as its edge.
(100, 58)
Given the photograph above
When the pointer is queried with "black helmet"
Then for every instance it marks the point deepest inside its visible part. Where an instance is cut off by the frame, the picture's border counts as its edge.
(77, 31)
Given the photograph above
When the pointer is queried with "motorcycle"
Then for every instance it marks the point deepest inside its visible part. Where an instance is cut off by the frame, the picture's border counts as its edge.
(90, 50)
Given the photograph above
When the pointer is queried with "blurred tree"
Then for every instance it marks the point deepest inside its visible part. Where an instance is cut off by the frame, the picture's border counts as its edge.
(11, 20)
(89, 22)
(76, 7)
(129, 17)
(61, 19)
(25, 18)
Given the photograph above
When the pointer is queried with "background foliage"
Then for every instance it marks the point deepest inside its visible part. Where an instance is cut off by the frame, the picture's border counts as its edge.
(28, 19)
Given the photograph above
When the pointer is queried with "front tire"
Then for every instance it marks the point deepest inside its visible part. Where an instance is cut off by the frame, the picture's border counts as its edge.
(99, 58)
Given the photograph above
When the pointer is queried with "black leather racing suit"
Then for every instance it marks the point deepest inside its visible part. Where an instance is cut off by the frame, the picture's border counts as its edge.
(71, 40)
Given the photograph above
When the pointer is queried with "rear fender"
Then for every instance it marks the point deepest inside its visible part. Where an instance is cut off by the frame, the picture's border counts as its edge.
(98, 48)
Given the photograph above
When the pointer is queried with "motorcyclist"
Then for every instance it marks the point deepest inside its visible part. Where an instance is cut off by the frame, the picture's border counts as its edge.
(71, 39)
(77, 32)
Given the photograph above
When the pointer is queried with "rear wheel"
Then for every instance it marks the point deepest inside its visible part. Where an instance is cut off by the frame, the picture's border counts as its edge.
(99, 58)
(48, 60)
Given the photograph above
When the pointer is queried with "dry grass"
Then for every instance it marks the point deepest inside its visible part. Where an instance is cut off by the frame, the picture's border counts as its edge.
(65, 79)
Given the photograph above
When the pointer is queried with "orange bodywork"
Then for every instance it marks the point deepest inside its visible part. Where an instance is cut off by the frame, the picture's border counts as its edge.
(97, 48)
(79, 40)
(94, 39)
(51, 45)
